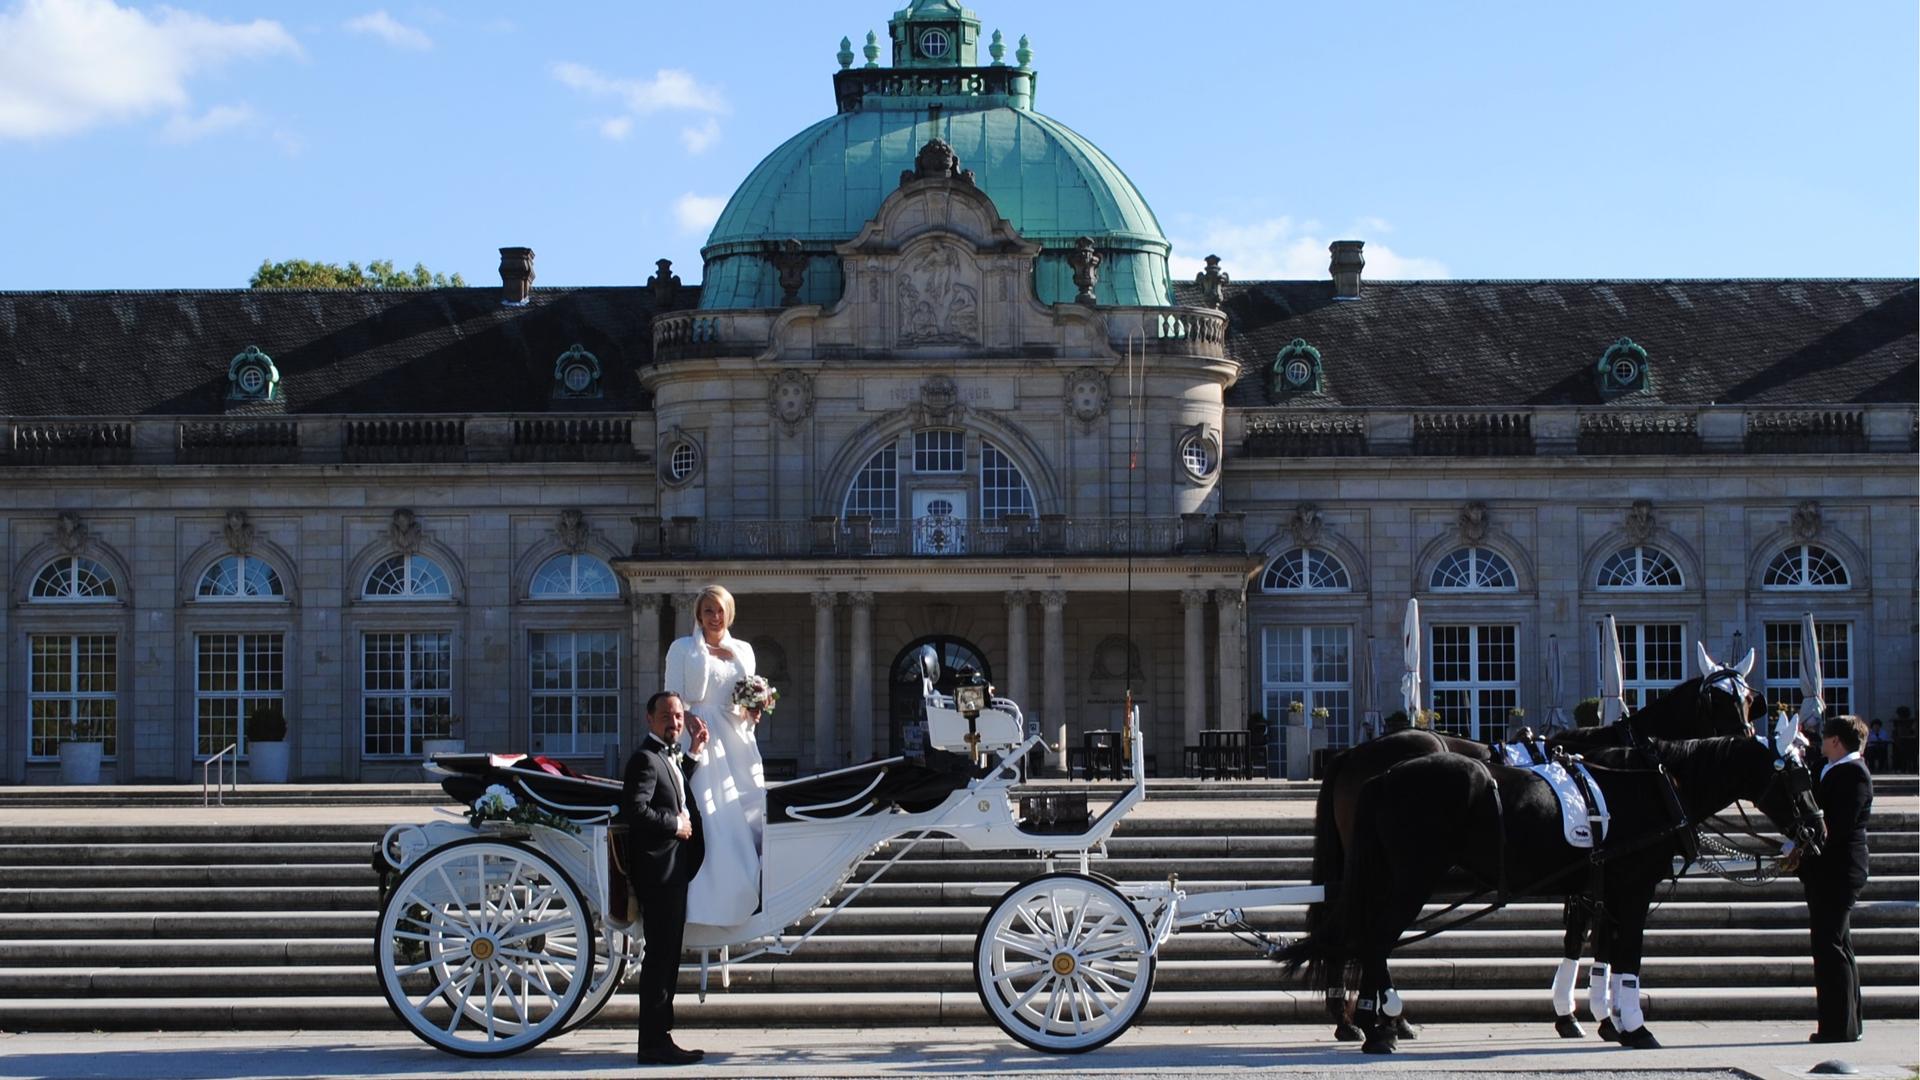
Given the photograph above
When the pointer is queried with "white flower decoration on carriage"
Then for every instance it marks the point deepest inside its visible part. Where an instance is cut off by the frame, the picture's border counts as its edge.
(497, 800)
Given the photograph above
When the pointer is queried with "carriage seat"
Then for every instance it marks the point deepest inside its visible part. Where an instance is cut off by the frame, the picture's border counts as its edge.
(539, 780)
(870, 788)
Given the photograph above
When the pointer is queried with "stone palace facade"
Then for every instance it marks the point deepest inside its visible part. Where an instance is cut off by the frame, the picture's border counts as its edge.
(936, 387)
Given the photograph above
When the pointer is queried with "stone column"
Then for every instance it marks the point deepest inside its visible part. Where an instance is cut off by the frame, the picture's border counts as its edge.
(1193, 603)
(683, 612)
(1016, 685)
(860, 676)
(1053, 665)
(825, 708)
(648, 675)
(1232, 658)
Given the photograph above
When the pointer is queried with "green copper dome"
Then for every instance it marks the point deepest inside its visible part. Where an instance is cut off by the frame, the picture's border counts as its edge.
(825, 183)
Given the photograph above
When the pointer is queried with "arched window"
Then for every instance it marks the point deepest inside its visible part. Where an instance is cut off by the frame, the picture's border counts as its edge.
(1003, 490)
(240, 577)
(1806, 567)
(1305, 570)
(1473, 568)
(72, 579)
(1639, 568)
(407, 577)
(574, 576)
(875, 491)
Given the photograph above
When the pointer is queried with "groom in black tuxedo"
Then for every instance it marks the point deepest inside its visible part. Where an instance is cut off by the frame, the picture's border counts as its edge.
(664, 848)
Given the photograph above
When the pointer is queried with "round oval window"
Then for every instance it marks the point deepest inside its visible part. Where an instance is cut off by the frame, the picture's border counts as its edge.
(1298, 373)
(1624, 371)
(578, 378)
(934, 44)
(252, 380)
(1198, 458)
(681, 461)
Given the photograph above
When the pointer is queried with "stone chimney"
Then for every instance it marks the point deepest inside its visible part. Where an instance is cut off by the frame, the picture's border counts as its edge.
(1346, 266)
(516, 275)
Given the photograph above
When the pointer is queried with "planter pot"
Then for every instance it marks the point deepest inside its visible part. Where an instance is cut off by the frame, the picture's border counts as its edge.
(267, 761)
(80, 762)
(443, 746)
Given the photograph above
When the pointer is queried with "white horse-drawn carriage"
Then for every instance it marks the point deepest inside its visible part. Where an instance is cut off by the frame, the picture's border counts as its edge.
(495, 937)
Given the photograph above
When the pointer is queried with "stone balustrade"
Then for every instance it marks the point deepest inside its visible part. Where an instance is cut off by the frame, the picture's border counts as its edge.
(1564, 430)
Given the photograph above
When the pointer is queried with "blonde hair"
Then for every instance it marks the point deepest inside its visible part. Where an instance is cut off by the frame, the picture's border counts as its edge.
(719, 596)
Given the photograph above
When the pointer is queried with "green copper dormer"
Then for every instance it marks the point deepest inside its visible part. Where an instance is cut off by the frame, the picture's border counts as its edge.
(935, 34)
(823, 185)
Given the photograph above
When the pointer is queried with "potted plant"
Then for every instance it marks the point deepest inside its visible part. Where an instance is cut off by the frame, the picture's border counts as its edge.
(81, 748)
(1296, 711)
(268, 752)
(442, 733)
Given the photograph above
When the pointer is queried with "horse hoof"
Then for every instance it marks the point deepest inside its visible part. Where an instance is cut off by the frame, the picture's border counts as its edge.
(1639, 1039)
(1404, 1030)
(1568, 1027)
(1608, 1031)
(1381, 1041)
(1347, 1033)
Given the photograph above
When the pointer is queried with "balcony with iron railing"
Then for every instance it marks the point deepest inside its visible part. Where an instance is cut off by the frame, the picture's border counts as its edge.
(1567, 430)
(321, 440)
(1154, 331)
(937, 536)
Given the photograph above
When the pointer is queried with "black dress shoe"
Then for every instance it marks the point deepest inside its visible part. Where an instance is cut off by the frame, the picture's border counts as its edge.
(667, 1053)
(1823, 1037)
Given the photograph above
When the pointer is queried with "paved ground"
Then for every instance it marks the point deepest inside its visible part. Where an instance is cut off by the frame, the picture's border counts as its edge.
(1696, 1051)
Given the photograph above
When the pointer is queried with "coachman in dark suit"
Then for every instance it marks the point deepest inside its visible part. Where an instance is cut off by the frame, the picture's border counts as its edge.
(1833, 878)
(664, 849)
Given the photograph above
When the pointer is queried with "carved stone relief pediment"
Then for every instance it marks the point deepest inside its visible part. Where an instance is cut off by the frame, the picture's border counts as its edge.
(938, 290)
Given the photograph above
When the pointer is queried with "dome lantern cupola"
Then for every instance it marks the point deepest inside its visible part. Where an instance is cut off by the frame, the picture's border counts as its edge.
(935, 34)
(818, 189)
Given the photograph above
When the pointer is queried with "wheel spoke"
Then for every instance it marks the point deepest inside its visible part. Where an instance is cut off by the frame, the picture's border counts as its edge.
(536, 929)
(465, 918)
(1032, 946)
(1023, 971)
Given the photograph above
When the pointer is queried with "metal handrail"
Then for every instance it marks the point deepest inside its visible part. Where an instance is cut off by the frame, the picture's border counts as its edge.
(221, 784)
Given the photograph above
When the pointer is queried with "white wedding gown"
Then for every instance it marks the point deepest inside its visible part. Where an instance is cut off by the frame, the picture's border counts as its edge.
(729, 787)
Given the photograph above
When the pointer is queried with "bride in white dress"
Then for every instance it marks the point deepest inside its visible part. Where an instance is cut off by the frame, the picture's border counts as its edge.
(728, 788)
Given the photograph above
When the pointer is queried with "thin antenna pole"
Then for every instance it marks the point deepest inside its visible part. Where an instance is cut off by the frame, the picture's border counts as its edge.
(1133, 467)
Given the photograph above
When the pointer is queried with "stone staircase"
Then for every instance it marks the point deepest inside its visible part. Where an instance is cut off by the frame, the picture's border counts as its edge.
(140, 926)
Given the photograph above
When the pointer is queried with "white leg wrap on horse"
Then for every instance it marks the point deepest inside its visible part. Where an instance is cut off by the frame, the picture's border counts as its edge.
(1626, 1002)
(1563, 981)
(1599, 999)
(1390, 1002)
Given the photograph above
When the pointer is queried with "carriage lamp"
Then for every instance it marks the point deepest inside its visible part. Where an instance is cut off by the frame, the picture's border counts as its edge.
(970, 697)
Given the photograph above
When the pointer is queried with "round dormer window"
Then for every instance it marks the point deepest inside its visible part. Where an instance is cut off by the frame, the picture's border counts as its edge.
(253, 380)
(935, 44)
(578, 378)
(1299, 372)
(1625, 371)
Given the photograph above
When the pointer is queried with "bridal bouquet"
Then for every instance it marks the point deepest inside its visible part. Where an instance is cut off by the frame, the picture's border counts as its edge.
(755, 692)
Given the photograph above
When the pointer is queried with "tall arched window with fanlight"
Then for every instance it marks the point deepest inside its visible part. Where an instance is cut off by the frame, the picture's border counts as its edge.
(938, 491)
(573, 675)
(406, 673)
(73, 675)
(1475, 665)
(237, 671)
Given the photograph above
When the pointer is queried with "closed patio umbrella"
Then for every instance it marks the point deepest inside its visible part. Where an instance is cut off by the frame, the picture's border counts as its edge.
(1410, 658)
(1556, 687)
(1812, 683)
(1613, 702)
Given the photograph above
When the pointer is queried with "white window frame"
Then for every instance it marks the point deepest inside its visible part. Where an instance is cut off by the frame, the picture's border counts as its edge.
(70, 574)
(413, 699)
(874, 490)
(247, 699)
(573, 590)
(1637, 571)
(1003, 486)
(1780, 664)
(41, 747)
(244, 562)
(1800, 557)
(1478, 558)
(1641, 686)
(1336, 695)
(1488, 699)
(411, 579)
(1314, 564)
(572, 693)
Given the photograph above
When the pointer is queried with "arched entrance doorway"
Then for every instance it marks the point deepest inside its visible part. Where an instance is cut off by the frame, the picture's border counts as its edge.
(956, 655)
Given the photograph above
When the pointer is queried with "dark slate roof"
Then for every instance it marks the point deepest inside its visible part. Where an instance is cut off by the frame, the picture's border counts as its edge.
(1458, 343)
(338, 351)
(1401, 344)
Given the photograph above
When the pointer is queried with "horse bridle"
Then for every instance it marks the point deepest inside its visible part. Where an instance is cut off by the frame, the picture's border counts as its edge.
(1736, 688)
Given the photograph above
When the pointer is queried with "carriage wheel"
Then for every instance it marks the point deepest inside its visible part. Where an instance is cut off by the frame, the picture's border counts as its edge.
(1063, 963)
(609, 969)
(485, 948)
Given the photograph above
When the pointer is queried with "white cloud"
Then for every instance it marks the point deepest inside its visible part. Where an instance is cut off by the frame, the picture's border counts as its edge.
(181, 128)
(390, 30)
(669, 90)
(69, 65)
(1281, 249)
(697, 213)
(699, 140)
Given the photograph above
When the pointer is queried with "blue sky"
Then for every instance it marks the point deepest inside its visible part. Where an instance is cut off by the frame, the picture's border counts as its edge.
(159, 147)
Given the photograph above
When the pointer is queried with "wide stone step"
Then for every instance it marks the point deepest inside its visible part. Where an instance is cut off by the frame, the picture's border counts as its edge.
(255, 877)
(877, 948)
(193, 925)
(842, 1009)
(76, 855)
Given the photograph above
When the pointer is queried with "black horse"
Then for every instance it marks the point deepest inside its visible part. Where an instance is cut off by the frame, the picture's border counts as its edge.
(1426, 816)
(1715, 704)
